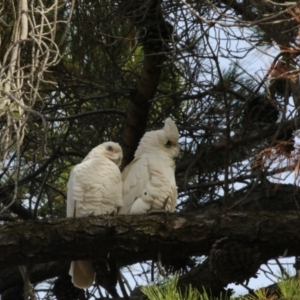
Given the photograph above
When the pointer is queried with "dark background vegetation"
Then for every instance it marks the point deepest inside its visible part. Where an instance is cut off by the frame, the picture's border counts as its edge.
(77, 73)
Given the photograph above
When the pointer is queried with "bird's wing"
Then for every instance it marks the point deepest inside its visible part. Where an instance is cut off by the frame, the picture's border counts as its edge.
(162, 186)
(75, 191)
(94, 187)
(135, 178)
(108, 183)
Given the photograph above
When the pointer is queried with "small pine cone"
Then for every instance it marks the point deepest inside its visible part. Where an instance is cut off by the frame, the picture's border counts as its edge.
(234, 260)
(64, 289)
(261, 109)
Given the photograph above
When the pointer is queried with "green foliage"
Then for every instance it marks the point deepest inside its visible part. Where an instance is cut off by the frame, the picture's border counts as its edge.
(260, 294)
(166, 290)
(289, 288)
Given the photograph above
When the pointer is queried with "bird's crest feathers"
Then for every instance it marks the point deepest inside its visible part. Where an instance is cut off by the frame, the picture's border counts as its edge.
(156, 140)
(171, 130)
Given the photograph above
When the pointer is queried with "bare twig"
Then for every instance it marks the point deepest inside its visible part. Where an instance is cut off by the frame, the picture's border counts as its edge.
(29, 293)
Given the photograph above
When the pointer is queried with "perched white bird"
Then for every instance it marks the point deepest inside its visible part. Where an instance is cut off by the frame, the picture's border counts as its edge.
(152, 171)
(94, 188)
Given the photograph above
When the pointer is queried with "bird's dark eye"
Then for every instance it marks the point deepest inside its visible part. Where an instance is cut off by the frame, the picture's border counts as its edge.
(110, 148)
(168, 144)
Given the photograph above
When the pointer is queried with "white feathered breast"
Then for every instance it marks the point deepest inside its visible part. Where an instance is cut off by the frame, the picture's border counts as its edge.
(94, 187)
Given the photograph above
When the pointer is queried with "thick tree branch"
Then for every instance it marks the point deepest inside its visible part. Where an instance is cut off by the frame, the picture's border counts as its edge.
(131, 239)
(270, 197)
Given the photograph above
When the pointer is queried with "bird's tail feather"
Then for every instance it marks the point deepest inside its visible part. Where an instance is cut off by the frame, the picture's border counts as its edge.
(82, 273)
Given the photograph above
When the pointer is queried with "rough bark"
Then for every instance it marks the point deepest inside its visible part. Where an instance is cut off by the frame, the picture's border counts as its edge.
(139, 106)
(130, 239)
(263, 197)
(154, 58)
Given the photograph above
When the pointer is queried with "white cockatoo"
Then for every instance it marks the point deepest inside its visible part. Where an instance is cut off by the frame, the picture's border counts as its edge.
(149, 180)
(94, 188)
